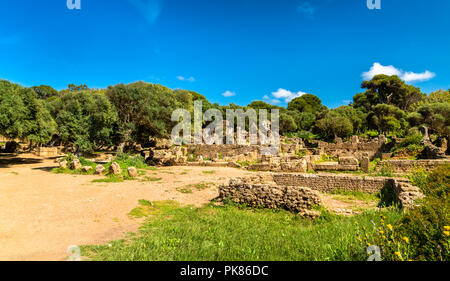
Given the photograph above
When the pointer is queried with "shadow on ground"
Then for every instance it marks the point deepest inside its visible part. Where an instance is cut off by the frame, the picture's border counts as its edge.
(6, 160)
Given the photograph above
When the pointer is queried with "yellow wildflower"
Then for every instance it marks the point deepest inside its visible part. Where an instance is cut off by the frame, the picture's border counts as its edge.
(381, 232)
(447, 233)
(447, 227)
(398, 254)
(389, 226)
(406, 239)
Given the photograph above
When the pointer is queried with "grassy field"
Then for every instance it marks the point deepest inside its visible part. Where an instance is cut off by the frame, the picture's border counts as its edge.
(230, 232)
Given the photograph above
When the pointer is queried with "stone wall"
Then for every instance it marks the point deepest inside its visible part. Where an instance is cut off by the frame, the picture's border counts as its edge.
(331, 182)
(404, 166)
(261, 192)
(356, 147)
(299, 192)
(225, 150)
(47, 151)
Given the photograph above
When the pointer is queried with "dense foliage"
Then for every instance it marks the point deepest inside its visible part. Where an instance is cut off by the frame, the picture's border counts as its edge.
(90, 119)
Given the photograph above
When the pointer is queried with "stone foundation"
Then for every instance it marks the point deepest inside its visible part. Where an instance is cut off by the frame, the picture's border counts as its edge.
(261, 192)
(405, 166)
(331, 182)
(47, 151)
(299, 192)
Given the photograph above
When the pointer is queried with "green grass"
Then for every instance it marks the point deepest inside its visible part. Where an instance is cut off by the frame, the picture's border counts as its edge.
(124, 160)
(152, 179)
(143, 210)
(358, 195)
(15, 173)
(327, 158)
(110, 178)
(185, 190)
(209, 172)
(230, 232)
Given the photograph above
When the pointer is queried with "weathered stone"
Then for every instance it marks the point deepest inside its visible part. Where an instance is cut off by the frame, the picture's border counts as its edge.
(63, 164)
(132, 172)
(348, 161)
(47, 151)
(75, 164)
(99, 169)
(115, 169)
(365, 162)
(261, 191)
(86, 169)
(404, 166)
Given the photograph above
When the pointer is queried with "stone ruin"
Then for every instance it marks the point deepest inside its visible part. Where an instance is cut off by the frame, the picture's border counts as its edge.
(299, 193)
(259, 191)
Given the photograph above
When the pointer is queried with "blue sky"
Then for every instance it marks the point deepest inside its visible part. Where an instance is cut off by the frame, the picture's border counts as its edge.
(227, 50)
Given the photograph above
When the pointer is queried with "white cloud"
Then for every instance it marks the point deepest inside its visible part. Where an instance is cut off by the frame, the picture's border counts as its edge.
(229, 94)
(411, 76)
(378, 68)
(182, 78)
(286, 95)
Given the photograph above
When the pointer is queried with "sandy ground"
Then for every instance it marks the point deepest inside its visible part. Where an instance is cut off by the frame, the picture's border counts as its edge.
(42, 213)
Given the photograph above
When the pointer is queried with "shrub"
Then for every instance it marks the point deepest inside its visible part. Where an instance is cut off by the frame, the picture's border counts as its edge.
(125, 160)
(424, 232)
(427, 227)
(438, 182)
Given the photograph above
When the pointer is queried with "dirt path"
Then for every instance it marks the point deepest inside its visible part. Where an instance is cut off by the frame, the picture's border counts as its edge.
(42, 213)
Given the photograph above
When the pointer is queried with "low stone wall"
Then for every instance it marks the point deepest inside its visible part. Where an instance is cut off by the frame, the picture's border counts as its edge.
(47, 151)
(404, 166)
(356, 147)
(225, 150)
(334, 166)
(331, 182)
(260, 192)
(299, 192)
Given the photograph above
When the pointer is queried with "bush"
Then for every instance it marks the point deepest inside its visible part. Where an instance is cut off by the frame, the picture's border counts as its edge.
(411, 145)
(427, 225)
(438, 183)
(424, 232)
(125, 160)
(427, 228)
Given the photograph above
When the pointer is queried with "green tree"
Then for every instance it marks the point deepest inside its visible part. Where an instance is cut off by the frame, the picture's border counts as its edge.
(391, 90)
(331, 127)
(144, 110)
(307, 103)
(45, 92)
(23, 115)
(85, 119)
(387, 119)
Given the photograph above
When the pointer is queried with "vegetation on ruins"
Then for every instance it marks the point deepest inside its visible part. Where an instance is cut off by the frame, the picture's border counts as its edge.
(91, 119)
(423, 233)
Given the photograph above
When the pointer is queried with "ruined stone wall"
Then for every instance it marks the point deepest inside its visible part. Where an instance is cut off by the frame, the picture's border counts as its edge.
(258, 192)
(404, 166)
(356, 147)
(225, 150)
(330, 182)
(299, 192)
